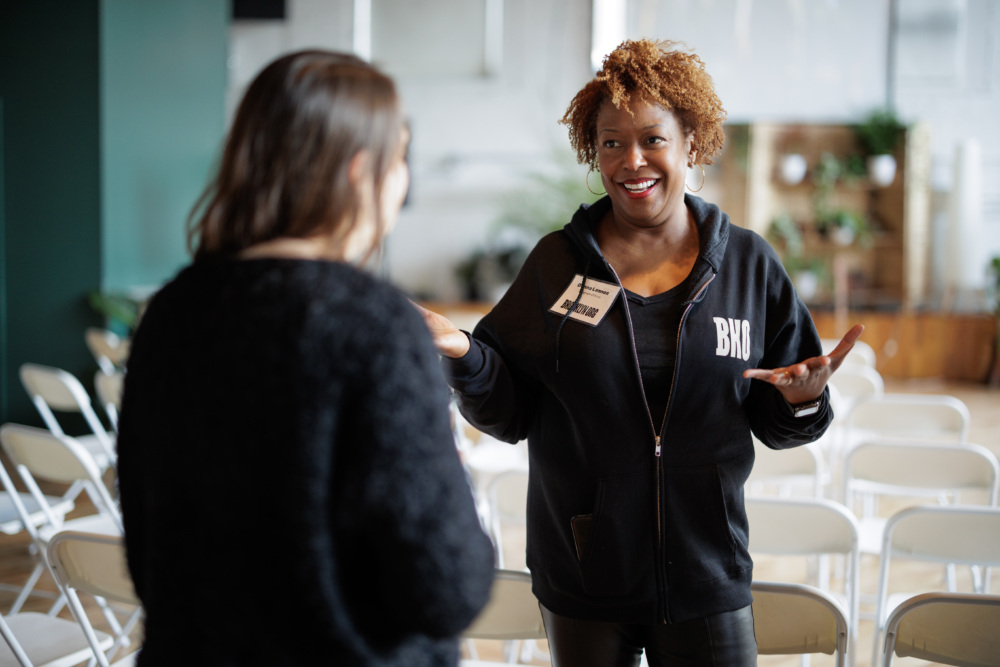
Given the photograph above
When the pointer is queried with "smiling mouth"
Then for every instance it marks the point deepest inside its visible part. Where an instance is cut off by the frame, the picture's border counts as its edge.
(640, 187)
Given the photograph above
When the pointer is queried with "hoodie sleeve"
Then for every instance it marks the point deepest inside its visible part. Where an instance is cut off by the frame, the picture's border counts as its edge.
(791, 338)
(492, 394)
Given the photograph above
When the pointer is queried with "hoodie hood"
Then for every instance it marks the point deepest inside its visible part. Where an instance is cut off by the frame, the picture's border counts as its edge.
(713, 233)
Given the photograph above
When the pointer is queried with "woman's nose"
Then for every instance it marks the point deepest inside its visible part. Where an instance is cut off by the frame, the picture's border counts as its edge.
(634, 157)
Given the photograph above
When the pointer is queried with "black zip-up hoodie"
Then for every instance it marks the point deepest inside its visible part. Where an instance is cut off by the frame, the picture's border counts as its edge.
(623, 526)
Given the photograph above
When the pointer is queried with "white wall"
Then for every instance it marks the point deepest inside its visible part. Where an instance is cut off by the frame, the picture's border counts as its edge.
(475, 138)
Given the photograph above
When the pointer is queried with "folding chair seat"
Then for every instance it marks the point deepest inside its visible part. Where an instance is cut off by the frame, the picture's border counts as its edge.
(791, 619)
(54, 390)
(808, 527)
(109, 349)
(511, 614)
(38, 640)
(40, 455)
(964, 535)
(95, 565)
(951, 628)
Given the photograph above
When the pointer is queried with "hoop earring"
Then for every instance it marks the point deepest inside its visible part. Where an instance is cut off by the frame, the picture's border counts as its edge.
(702, 181)
(587, 180)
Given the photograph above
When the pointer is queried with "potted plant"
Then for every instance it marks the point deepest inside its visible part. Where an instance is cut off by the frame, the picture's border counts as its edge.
(844, 227)
(879, 135)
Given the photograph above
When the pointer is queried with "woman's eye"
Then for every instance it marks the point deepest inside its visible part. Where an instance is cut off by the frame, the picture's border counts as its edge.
(655, 140)
(610, 143)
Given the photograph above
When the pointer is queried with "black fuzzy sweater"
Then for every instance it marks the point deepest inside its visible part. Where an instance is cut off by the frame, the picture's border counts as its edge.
(289, 483)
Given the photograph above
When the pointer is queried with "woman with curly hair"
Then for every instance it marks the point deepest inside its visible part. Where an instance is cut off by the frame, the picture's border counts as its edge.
(638, 350)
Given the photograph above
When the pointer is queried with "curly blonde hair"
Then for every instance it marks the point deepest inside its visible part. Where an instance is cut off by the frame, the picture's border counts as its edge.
(654, 70)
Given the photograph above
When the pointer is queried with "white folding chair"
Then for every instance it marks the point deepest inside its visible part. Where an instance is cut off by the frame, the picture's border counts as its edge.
(810, 528)
(95, 565)
(511, 614)
(38, 454)
(793, 619)
(925, 472)
(54, 390)
(950, 628)
(110, 350)
(786, 471)
(964, 535)
(507, 497)
(109, 387)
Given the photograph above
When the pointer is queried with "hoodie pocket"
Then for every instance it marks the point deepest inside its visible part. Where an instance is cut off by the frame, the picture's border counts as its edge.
(700, 542)
(615, 546)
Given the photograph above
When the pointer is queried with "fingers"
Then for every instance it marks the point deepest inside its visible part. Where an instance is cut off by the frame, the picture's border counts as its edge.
(848, 341)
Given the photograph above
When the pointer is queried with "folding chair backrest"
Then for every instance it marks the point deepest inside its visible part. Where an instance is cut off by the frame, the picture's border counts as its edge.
(787, 468)
(507, 498)
(961, 534)
(898, 468)
(93, 564)
(53, 389)
(109, 387)
(511, 613)
(791, 619)
(109, 350)
(40, 454)
(854, 382)
(48, 456)
(910, 416)
(950, 628)
(862, 354)
(800, 526)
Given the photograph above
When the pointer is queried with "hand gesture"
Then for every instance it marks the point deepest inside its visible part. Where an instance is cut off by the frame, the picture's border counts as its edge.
(806, 380)
(449, 340)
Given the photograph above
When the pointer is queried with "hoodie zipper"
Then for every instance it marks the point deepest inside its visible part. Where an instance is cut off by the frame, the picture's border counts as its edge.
(658, 435)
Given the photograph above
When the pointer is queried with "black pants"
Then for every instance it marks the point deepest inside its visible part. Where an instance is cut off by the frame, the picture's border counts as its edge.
(722, 640)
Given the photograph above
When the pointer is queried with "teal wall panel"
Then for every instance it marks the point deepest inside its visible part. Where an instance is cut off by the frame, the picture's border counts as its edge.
(163, 65)
(51, 184)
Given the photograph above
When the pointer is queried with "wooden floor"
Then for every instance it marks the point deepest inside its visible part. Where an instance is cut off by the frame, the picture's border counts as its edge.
(16, 561)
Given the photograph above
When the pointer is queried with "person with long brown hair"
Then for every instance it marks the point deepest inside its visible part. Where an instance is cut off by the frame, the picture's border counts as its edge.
(638, 350)
(290, 486)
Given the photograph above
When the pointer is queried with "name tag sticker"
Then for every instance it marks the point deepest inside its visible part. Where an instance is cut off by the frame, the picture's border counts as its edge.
(596, 301)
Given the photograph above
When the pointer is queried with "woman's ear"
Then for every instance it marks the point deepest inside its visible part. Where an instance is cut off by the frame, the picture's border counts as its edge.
(359, 168)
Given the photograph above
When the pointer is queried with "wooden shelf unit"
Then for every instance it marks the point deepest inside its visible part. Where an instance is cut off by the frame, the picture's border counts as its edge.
(891, 270)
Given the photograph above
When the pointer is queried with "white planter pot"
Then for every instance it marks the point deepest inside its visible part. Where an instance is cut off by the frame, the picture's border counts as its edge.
(882, 169)
(842, 236)
(806, 284)
(792, 168)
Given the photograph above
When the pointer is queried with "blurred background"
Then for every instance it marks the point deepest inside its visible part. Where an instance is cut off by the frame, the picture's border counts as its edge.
(112, 114)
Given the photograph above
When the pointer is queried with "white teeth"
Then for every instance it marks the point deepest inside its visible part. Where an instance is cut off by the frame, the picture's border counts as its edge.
(639, 187)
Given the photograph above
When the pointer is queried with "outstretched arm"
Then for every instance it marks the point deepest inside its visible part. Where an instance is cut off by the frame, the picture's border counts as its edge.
(806, 380)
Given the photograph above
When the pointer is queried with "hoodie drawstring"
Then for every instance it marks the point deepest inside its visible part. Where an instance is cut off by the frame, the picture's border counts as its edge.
(572, 309)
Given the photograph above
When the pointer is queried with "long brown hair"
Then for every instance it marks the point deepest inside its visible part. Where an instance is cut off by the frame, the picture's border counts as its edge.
(284, 168)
